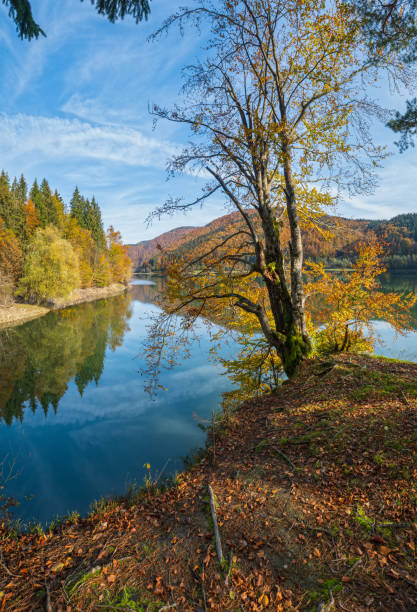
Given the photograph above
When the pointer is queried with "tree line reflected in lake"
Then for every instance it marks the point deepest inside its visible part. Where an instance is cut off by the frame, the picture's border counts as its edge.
(39, 358)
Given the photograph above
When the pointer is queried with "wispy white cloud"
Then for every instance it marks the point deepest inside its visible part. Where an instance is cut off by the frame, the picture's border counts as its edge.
(76, 111)
(23, 135)
(92, 110)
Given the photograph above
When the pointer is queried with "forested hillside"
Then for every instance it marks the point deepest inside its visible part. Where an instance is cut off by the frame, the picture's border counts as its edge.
(48, 249)
(333, 241)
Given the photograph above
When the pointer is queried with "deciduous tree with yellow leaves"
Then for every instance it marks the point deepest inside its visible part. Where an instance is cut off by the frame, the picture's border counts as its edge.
(78, 232)
(279, 121)
(120, 263)
(50, 269)
(349, 302)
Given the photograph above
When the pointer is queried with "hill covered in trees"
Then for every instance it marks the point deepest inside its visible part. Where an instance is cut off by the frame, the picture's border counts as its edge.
(48, 249)
(333, 241)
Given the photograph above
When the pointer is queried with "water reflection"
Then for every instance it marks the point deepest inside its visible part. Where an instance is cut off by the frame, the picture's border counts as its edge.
(402, 283)
(79, 423)
(39, 358)
(143, 290)
(78, 420)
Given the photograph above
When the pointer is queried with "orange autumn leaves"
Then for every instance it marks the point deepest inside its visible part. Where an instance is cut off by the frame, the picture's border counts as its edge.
(10, 254)
(344, 306)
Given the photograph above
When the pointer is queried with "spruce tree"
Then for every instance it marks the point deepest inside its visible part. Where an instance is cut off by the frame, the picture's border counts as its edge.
(88, 215)
(20, 11)
(97, 224)
(6, 206)
(51, 212)
(38, 200)
(18, 197)
(60, 199)
(75, 205)
(11, 211)
(22, 189)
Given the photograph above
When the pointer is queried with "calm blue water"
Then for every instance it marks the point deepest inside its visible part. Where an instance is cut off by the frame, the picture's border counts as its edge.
(71, 449)
(389, 343)
(73, 412)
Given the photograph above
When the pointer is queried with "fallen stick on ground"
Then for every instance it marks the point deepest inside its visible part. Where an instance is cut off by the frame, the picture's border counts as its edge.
(48, 598)
(326, 608)
(215, 526)
(284, 456)
(226, 582)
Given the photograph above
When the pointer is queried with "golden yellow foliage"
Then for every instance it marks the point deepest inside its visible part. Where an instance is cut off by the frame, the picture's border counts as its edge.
(344, 306)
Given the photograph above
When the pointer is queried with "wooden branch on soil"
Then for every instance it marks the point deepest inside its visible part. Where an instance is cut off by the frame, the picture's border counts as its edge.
(326, 608)
(215, 525)
(404, 399)
(319, 530)
(226, 582)
(48, 598)
(352, 567)
(284, 456)
(4, 566)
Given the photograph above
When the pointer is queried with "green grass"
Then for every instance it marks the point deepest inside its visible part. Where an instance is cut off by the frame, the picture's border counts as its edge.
(130, 599)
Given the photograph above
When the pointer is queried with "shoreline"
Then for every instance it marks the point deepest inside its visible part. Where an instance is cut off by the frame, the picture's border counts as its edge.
(17, 314)
(297, 479)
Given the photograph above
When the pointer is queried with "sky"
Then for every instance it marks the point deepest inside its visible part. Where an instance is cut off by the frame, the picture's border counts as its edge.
(74, 109)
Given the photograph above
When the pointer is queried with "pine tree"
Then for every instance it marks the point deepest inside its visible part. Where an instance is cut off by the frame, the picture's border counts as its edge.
(88, 215)
(75, 204)
(6, 201)
(22, 189)
(18, 224)
(14, 187)
(38, 200)
(51, 211)
(59, 210)
(11, 209)
(58, 196)
(97, 224)
(20, 11)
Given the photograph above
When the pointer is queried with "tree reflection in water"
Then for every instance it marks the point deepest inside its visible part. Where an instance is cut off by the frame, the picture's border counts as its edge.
(39, 358)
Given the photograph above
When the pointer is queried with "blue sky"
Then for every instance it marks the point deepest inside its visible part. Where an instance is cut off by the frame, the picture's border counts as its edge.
(74, 108)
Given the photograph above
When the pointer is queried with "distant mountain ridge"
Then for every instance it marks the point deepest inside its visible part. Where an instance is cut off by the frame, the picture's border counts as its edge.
(399, 234)
(141, 252)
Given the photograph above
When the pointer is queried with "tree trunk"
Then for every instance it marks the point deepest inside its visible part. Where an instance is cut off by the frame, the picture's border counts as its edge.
(288, 313)
(296, 244)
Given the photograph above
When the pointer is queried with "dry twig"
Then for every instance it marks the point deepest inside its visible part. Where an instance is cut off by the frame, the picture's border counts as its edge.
(4, 566)
(215, 526)
(284, 456)
(226, 582)
(48, 598)
(326, 608)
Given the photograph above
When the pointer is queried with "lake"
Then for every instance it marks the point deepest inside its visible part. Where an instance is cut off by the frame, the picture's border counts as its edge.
(75, 418)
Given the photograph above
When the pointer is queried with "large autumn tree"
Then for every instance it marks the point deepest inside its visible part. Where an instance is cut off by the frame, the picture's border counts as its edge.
(51, 268)
(278, 117)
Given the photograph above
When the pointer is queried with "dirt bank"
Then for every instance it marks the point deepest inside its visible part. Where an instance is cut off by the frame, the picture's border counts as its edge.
(316, 498)
(16, 314)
